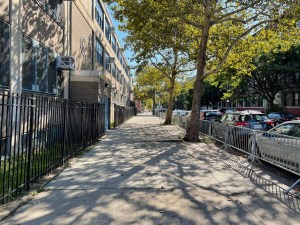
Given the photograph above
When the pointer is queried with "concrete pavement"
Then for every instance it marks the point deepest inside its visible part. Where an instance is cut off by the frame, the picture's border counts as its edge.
(142, 173)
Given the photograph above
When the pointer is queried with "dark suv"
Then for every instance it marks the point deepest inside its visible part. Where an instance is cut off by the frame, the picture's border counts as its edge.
(278, 117)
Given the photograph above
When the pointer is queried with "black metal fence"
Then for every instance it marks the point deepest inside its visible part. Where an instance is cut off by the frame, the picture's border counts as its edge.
(122, 114)
(38, 133)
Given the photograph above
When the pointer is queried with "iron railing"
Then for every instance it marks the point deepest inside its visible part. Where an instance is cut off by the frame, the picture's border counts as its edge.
(122, 114)
(39, 133)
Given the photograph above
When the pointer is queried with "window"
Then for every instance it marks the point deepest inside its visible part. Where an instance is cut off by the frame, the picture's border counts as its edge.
(99, 14)
(107, 33)
(284, 129)
(296, 99)
(296, 131)
(4, 54)
(52, 7)
(38, 68)
(113, 69)
(99, 53)
(107, 65)
(114, 43)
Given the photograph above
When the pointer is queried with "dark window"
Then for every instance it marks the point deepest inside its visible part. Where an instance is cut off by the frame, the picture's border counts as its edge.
(114, 43)
(4, 54)
(38, 68)
(113, 69)
(41, 69)
(28, 65)
(107, 65)
(99, 14)
(99, 53)
(107, 33)
(52, 7)
(296, 99)
(284, 129)
(296, 131)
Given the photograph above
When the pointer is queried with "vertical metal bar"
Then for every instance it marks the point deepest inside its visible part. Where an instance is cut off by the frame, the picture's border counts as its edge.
(20, 144)
(81, 125)
(31, 107)
(47, 138)
(6, 105)
(50, 135)
(39, 132)
(63, 141)
(35, 140)
(10, 139)
(16, 122)
(44, 139)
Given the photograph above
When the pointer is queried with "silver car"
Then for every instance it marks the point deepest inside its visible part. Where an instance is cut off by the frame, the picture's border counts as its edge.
(281, 145)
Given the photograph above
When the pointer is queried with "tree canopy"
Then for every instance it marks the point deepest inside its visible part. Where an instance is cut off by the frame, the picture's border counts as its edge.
(217, 30)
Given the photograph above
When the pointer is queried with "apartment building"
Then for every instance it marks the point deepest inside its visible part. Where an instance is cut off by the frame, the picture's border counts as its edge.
(63, 48)
(247, 97)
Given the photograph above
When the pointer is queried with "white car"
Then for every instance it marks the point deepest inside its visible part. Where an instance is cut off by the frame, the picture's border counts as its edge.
(281, 145)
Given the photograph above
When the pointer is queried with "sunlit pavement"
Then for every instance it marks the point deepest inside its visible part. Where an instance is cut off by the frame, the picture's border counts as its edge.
(141, 173)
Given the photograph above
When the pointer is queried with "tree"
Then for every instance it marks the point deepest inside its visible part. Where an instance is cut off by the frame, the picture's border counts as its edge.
(275, 72)
(163, 44)
(218, 26)
(149, 82)
(222, 26)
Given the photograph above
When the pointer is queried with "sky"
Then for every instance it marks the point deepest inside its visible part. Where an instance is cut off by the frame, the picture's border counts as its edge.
(121, 37)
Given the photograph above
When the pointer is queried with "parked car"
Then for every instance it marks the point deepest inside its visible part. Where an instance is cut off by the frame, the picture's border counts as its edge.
(281, 145)
(242, 124)
(248, 118)
(278, 117)
(211, 115)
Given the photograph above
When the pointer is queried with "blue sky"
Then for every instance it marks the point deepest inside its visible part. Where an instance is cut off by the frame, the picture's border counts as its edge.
(121, 36)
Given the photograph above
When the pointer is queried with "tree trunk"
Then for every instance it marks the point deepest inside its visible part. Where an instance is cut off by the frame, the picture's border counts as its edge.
(192, 131)
(168, 120)
(154, 105)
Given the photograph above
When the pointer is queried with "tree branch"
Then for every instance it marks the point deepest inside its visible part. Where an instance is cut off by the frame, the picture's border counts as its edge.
(232, 45)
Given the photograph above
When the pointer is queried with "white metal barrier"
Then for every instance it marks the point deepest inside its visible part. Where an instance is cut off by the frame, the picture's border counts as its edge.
(279, 150)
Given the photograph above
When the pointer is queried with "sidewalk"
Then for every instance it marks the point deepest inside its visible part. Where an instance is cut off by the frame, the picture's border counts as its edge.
(142, 173)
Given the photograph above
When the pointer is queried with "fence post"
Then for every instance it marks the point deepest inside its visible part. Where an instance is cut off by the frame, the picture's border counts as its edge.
(64, 106)
(81, 123)
(226, 136)
(253, 145)
(31, 107)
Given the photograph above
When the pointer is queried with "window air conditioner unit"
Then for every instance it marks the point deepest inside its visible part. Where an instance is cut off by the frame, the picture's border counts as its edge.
(111, 60)
(111, 30)
(65, 63)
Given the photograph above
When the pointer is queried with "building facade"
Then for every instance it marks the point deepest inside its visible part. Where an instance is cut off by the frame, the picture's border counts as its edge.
(35, 33)
(247, 97)
(32, 35)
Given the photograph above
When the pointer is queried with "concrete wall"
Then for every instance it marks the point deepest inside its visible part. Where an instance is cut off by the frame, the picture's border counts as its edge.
(4, 10)
(40, 26)
(82, 38)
